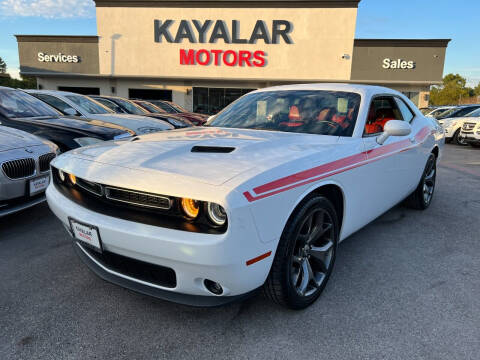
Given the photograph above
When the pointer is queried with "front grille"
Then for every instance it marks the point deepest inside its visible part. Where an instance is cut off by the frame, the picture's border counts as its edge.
(468, 126)
(19, 169)
(140, 270)
(44, 161)
(138, 198)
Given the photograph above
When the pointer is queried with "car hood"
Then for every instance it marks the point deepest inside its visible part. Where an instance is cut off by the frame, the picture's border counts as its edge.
(203, 154)
(139, 124)
(13, 139)
(87, 126)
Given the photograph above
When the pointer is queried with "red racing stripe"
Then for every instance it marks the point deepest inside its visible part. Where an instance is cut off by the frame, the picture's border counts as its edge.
(332, 168)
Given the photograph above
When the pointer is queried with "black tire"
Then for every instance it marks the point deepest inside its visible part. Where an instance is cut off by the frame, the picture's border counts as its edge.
(281, 286)
(456, 140)
(418, 199)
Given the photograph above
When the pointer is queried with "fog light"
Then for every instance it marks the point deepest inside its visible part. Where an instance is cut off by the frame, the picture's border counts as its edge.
(214, 287)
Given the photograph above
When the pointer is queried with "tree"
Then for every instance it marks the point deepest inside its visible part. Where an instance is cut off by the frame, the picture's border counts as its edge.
(3, 66)
(452, 90)
(476, 90)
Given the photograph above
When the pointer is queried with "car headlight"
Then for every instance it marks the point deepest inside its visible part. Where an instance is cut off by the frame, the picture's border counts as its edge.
(190, 207)
(85, 141)
(216, 214)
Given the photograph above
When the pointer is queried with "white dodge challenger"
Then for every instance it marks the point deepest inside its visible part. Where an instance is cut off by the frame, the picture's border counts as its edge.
(258, 198)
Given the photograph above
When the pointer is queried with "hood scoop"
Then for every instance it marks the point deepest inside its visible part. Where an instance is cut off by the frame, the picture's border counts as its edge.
(212, 149)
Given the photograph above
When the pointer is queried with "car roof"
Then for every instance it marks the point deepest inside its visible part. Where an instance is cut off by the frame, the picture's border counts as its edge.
(51, 92)
(357, 88)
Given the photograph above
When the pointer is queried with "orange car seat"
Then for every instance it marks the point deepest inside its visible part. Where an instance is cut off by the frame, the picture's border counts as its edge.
(293, 117)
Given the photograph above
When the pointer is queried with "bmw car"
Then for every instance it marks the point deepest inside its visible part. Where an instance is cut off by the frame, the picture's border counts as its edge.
(24, 169)
(259, 198)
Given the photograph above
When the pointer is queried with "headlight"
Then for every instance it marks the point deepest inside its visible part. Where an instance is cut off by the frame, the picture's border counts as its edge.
(61, 175)
(84, 141)
(216, 214)
(190, 207)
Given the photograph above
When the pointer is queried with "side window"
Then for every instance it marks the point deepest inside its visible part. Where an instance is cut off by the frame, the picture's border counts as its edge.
(405, 110)
(382, 110)
(56, 103)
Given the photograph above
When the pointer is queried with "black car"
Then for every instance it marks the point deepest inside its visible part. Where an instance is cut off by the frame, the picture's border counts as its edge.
(460, 111)
(24, 112)
(122, 105)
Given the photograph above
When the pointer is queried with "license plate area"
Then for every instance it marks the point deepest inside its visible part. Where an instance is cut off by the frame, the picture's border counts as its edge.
(38, 184)
(86, 234)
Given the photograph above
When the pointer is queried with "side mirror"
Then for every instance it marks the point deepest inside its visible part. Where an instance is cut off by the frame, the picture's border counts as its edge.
(70, 111)
(394, 128)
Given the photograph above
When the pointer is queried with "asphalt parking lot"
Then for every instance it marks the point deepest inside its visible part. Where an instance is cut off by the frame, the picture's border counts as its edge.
(406, 286)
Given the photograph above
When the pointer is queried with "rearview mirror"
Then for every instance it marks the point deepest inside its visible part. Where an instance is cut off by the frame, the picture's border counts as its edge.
(394, 128)
(70, 111)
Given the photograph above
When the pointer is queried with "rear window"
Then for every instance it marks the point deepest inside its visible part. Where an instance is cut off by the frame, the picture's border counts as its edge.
(88, 105)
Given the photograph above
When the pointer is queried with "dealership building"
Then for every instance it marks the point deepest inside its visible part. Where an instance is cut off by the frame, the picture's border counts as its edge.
(205, 54)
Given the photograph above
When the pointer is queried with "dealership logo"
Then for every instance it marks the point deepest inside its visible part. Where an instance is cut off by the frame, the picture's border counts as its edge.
(60, 58)
(211, 32)
(398, 64)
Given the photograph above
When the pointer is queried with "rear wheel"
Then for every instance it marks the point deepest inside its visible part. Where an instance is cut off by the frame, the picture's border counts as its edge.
(305, 255)
(421, 198)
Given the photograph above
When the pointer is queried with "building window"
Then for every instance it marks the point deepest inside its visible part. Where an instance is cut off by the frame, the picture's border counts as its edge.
(212, 100)
(81, 90)
(413, 96)
(149, 94)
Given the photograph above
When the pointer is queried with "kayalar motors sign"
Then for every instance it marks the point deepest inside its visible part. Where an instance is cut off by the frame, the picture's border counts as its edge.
(60, 58)
(209, 32)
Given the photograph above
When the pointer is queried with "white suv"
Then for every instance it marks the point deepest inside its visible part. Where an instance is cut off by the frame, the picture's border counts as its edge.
(454, 126)
(470, 133)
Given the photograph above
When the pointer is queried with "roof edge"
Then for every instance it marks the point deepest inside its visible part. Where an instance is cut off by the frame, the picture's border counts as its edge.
(402, 42)
(230, 3)
(58, 38)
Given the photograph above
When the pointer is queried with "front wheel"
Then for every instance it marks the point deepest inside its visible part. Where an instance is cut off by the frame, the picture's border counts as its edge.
(421, 198)
(457, 139)
(305, 255)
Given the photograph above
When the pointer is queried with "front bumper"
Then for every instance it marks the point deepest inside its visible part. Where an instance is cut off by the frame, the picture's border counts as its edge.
(20, 204)
(471, 138)
(193, 257)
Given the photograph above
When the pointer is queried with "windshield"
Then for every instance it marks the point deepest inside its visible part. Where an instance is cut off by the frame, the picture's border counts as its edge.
(177, 107)
(302, 111)
(474, 113)
(464, 111)
(152, 108)
(167, 107)
(17, 104)
(130, 107)
(88, 105)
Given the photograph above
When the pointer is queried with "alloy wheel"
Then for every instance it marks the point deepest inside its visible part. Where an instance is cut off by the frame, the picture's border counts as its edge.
(429, 182)
(313, 253)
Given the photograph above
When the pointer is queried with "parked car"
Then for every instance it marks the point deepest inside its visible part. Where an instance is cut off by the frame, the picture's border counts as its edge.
(177, 120)
(24, 112)
(69, 103)
(459, 111)
(261, 196)
(453, 127)
(172, 108)
(470, 133)
(439, 111)
(25, 165)
(148, 110)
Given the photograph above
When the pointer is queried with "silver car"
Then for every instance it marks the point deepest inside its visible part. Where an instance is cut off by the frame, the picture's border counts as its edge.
(24, 169)
(69, 103)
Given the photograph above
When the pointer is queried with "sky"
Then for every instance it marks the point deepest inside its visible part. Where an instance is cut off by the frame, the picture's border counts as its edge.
(416, 19)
